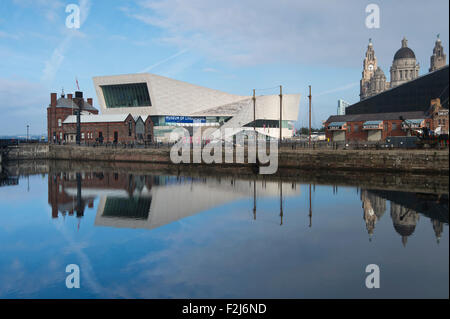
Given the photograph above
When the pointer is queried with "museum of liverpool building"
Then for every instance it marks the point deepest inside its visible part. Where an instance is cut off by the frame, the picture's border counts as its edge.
(148, 107)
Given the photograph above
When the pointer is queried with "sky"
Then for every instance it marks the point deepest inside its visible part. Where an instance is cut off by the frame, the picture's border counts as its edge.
(233, 46)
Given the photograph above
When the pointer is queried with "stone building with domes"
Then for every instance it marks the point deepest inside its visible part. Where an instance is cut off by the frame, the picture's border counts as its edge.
(385, 105)
(404, 68)
(438, 59)
(404, 220)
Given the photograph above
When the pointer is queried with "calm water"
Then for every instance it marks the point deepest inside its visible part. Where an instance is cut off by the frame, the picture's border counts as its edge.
(157, 236)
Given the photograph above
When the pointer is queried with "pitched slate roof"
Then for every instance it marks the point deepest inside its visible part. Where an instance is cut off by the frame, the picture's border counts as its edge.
(69, 103)
(72, 119)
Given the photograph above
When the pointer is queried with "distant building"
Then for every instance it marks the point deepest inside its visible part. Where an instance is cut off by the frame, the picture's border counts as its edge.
(422, 100)
(378, 117)
(341, 107)
(404, 68)
(438, 59)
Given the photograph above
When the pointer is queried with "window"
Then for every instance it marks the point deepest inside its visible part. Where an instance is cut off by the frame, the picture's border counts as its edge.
(60, 136)
(59, 123)
(394, 126)
(82, 136)
(126, 95)
(356, 128)
(385, 127)
(130, 128)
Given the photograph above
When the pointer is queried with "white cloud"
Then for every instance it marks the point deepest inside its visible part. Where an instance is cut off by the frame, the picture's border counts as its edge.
(210, 70)
(265, 31)
(24, 102)
(165, 60)
(50, 9)
(53, 64)
(339, 89)
(7, 35)
(18, 95)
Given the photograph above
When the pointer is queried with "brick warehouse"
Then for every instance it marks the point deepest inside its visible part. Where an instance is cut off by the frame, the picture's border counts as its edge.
(379, 126)
(110, 128)
(422, 102)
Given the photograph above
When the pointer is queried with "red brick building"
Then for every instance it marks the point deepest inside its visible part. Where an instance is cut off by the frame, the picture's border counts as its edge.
(378, 126)
(59, 110)
(95, 128)
(115, 128)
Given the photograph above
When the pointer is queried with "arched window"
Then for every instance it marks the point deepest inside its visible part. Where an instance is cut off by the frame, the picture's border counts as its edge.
(59, 122)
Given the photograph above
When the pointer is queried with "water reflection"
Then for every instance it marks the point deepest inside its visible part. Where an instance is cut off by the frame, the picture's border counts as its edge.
(405, 209)
(151, 201)
(135, 201)
(150, 233)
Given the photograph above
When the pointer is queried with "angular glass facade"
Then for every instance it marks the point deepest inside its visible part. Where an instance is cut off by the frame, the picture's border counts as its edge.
(126, 95)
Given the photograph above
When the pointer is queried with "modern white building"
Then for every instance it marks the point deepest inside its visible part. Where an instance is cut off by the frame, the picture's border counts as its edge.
(171, 103)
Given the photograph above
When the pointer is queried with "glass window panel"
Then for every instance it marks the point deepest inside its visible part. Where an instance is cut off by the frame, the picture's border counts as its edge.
(126, 95)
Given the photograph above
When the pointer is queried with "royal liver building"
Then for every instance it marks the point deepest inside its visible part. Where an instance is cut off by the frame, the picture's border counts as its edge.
(404, 68)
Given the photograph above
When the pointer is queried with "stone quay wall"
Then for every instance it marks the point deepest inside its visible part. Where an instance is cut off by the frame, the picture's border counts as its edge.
(398, 160)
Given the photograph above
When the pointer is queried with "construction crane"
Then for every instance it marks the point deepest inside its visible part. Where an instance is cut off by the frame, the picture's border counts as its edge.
(425, 137)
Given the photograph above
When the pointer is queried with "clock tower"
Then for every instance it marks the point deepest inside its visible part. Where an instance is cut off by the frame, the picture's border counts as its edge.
(369, 68)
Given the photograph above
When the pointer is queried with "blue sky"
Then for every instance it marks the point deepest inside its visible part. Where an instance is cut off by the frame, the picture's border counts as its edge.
(233, 46)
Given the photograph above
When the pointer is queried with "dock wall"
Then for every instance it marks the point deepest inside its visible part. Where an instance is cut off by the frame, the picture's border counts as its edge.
(423, 161)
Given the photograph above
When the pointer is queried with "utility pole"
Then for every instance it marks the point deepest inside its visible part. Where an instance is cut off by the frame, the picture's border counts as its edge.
(79, 101)
(309, 96)
(254, 198)
(254, 111)
(281, 111)
(281, 203)
(28, 130)
(310, 209)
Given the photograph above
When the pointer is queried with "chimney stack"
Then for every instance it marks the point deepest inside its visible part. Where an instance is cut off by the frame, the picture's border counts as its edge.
(89, 100)
(53, 99)
(69, 96)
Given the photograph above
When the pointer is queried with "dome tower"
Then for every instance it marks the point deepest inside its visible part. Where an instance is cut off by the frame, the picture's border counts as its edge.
(404, 67)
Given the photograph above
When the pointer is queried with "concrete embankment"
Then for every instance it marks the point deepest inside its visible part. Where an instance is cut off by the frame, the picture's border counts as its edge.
(421, 161)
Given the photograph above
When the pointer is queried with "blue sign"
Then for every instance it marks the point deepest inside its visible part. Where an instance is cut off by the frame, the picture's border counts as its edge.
(184, 119)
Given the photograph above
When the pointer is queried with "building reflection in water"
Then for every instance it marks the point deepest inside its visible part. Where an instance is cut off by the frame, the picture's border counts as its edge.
(405, 209)
(374, 208)
(134, 201)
